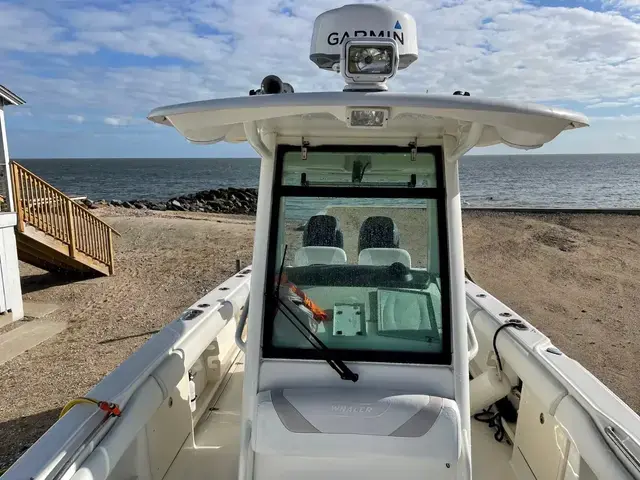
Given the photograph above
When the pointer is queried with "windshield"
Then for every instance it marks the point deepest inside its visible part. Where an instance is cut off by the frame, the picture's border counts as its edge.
(359, 237)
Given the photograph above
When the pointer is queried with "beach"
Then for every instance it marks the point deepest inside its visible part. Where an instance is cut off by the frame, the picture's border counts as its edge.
(573, 276)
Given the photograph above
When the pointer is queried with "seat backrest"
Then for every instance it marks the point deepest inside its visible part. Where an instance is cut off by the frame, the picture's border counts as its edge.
(378, 232)
(384, 256)
(319, 256)
(344, 434)
(322, 231)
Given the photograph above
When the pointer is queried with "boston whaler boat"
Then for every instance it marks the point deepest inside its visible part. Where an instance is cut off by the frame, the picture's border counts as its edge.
(354, 346)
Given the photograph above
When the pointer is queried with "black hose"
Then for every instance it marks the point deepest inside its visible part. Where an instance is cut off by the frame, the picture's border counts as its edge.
(495, 336)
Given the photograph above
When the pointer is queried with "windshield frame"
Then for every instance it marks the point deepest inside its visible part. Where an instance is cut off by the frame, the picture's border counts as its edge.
(437, 193)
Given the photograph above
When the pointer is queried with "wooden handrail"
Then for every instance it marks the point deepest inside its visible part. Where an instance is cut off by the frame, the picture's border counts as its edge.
(43, 182)
(49, 210)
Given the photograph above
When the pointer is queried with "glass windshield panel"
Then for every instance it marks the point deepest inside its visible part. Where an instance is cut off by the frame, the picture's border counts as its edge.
(379, 169)
(361, 271)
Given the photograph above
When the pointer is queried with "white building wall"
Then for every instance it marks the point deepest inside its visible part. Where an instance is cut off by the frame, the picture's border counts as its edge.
(10, 290)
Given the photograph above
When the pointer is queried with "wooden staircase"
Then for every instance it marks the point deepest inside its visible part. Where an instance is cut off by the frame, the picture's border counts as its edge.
(54, 232)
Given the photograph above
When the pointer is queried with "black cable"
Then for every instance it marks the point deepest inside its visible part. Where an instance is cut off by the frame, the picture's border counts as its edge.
(364, 169)
(495, 336)
(494, 420)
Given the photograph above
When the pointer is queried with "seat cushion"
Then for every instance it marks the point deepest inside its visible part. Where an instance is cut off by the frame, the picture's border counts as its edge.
(319, 256)
(384, 256)
(342, 422)
(378, 232)
(322, 231)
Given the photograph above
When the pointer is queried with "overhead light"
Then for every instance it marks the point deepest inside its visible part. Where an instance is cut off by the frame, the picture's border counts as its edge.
(366, 63)
(367, 117)
(368, 60)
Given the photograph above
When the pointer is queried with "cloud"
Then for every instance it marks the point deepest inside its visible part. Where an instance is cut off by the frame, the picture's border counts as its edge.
(119, 61)
(116, 121)
(31, 30)
(625, 136)
(607, 105)
(76, 118)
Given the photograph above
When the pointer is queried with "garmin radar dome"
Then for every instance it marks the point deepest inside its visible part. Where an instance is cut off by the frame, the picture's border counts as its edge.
(367, 44)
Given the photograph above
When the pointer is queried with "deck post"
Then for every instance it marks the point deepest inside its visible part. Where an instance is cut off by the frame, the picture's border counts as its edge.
(5, 171)
(17, 193)
(72, 231)
(111, 253)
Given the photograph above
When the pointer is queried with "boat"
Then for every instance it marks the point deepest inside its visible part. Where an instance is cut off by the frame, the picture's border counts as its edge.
(354, 345)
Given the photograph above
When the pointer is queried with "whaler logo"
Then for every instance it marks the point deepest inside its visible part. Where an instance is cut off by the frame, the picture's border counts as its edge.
(336, 38)
(347, 409)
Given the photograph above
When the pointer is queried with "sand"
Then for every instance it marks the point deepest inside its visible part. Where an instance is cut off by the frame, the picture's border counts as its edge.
(165, 262)
(576, 277)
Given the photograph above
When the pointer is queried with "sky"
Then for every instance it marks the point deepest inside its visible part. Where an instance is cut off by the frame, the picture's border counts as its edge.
(91, 70)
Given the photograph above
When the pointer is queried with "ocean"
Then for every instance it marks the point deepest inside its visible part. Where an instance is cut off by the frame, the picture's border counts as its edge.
(582, 181)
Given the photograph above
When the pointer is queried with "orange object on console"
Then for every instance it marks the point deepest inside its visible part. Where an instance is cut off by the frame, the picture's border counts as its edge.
(319, 315)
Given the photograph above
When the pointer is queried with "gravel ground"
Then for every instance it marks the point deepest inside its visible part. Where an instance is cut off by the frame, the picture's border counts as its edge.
(165, 262)
(576, 277)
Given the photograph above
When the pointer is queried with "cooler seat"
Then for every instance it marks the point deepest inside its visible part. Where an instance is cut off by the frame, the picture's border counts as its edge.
(335, 433)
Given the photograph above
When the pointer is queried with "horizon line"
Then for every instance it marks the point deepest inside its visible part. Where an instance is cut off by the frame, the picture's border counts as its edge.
(258, 158)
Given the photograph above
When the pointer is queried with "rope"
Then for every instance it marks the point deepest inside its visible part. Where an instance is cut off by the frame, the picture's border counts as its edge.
(495, 421)
(112, 409)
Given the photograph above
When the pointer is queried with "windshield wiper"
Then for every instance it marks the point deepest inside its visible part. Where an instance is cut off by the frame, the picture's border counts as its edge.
(329, 355)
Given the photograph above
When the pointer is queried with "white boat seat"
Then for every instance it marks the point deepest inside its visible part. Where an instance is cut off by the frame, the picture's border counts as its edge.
(384, 256)
(342, 433)
(319, 256)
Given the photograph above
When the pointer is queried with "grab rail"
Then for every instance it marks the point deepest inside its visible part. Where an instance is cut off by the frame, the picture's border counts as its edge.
(473, 340)
(188, 336)
(242, 345)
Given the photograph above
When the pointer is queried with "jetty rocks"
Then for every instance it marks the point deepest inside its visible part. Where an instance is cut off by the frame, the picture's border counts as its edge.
(241, 201)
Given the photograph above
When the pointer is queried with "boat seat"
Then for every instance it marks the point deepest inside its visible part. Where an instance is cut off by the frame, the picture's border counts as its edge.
(344, 433)
(322, 231)
(319, 256)
(384, 256)
(378, 232)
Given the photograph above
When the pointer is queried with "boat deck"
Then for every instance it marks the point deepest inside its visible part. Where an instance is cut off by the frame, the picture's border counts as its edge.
(217, 441)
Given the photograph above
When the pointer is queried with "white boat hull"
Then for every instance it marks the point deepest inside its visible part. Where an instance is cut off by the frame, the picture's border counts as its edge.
(564, 425)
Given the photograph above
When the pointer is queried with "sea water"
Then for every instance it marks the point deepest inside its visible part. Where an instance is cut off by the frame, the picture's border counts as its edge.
(574, 181)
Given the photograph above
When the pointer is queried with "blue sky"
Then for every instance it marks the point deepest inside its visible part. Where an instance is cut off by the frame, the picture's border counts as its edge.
(91, 70)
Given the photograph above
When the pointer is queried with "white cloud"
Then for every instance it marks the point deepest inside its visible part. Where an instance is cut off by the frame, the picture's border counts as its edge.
(625, 136)
(607, 105)
(116, 121)
(30, 30)
(202, 49)
(76, 118)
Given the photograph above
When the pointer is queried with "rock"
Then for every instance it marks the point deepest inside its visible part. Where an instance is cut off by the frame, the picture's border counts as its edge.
(223, 200)
(87, 202)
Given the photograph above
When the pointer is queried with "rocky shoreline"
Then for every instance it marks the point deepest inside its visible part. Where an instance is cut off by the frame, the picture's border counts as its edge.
(242, 201)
